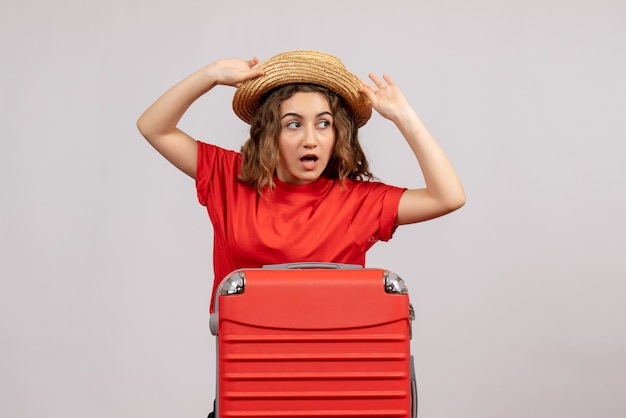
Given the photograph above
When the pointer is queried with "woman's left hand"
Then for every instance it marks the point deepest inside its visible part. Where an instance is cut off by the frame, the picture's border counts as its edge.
(386, 97)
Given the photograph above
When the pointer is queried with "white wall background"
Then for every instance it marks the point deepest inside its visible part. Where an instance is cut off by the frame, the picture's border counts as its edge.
(105, 254)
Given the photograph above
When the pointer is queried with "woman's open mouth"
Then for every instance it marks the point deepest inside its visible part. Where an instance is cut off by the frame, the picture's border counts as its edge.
(309, 161)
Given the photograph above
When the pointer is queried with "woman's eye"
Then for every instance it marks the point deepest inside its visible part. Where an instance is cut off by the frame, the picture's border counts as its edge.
(293, 124)
(324, 124)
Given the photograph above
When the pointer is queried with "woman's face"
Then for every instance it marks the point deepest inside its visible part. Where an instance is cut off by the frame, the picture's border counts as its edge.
(306, 138)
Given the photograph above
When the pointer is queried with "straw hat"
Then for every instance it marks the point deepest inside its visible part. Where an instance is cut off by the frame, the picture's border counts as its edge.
(302, 67)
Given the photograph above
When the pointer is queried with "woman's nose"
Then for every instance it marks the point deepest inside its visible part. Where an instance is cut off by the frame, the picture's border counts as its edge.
(309, 137)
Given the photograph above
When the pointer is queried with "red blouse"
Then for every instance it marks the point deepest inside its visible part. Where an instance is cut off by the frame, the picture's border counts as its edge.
(321, 221)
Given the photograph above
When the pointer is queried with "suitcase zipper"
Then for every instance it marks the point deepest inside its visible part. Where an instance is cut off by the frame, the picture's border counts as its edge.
(411, 319)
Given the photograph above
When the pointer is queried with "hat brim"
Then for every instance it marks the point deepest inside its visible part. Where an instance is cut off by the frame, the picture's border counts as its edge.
(302, 67)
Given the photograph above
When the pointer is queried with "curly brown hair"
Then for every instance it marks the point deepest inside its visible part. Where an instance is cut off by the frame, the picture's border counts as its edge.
(260, 155)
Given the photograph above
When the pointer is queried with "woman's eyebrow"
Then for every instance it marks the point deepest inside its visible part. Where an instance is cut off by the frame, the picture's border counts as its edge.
(290, 114)
(300, 116)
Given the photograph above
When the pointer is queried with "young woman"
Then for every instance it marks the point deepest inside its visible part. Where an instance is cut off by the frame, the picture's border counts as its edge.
(300, 188)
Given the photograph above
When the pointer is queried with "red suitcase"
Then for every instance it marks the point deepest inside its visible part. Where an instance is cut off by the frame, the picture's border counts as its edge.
(313, 340)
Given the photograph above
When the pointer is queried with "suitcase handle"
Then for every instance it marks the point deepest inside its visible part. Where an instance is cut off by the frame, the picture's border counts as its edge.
(312, 265)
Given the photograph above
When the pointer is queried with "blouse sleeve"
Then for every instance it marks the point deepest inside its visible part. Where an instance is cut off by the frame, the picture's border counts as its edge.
(213, 164)
(375, 218)
(206, 158)
(389, 212)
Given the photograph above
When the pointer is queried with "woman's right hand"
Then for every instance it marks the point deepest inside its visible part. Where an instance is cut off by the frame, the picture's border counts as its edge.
(232, 71)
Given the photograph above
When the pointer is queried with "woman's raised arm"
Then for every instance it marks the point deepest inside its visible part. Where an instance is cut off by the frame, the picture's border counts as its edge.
(443, 192)
(158, 124)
